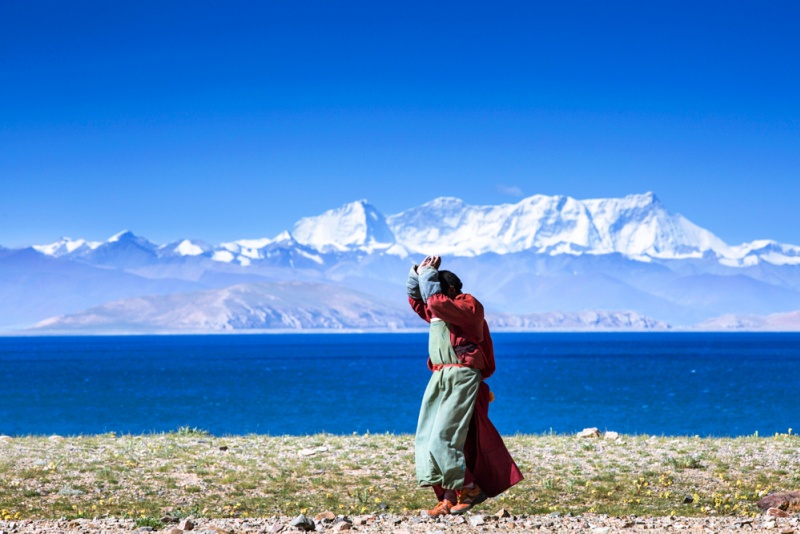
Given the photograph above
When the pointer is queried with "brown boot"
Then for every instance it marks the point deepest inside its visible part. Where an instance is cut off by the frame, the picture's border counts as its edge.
(443, 508)
(467, 498)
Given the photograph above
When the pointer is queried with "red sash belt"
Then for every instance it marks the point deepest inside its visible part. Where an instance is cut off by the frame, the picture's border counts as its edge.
(440, 366)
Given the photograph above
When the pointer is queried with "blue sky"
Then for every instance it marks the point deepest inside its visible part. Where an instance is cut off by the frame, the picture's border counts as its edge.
(229, 120)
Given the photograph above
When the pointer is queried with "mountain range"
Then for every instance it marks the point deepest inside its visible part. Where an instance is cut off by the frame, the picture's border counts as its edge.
(543, 262)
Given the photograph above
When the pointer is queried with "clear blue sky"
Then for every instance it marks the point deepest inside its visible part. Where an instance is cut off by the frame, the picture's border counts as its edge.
(228, 120)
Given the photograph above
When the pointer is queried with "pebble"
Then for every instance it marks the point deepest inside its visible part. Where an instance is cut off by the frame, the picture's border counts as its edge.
(312, 452)
(397, 523)
(589, 433)
(303, 523)
(476, 520)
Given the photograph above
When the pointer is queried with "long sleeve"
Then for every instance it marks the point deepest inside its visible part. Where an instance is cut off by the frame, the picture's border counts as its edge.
(428, 282)
(412, 284)
(464, 311)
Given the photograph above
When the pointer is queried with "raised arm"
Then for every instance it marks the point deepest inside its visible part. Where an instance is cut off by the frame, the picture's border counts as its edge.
(463, 310)
(415, 296)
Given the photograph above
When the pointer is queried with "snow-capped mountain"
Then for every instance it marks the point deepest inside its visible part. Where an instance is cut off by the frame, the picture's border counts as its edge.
(66, 246)
(355, 225)
(542, 254)
(637, 226)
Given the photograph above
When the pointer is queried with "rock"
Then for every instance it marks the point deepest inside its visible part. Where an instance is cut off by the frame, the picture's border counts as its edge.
(55, 438)
(342, 525)
(277, 527)
(312, 452)
(688, 499)
(611, 435)
(770, 524)
(67, 490)
(224, 448)
(476, 520)
(303, 523)
(5, 439)
(785, 501)
(186, 524)
(326, 517)
(777, 512)
(787, 530)
(169, 519)
(601, 530)
(362, 519)
(502, 513)
(175, 531)
(589, 433)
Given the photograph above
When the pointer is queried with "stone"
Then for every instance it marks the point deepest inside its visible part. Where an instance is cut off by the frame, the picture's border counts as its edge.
(601, 530)
(224, 448)
(476, 520)
(362, 519)
(326, 517)
(67, 490)
(785, 501)
(55, 438)
(342, 525)
(6, 439)
(688, 499)
(303, 523)
(312, 452)
(169, 519)
(787, 530)
(186, 524)
(175, 531)
(502, 513)
(777, 512)
(610, 434)
(589, 433)
(277, 527)
(770, 524)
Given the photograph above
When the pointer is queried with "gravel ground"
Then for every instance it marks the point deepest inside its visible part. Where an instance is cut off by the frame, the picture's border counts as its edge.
(596, 524)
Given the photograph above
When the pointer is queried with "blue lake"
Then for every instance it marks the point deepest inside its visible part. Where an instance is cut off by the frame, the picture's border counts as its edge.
(664, 383)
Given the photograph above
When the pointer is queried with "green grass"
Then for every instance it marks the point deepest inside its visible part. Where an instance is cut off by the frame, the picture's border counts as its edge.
(189, 472)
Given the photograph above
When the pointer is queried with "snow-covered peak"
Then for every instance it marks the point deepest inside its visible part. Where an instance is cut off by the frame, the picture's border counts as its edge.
(637, 226)
(354, 225)
(185, 247)
(125, 235)
(128, 237)
(66, 246)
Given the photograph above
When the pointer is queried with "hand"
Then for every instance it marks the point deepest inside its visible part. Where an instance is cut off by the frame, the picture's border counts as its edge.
(433, 261)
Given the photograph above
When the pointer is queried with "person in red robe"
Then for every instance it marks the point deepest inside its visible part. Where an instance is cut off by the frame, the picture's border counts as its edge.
(488, 468)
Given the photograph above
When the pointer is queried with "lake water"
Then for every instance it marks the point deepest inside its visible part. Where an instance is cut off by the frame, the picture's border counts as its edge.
(648, 383)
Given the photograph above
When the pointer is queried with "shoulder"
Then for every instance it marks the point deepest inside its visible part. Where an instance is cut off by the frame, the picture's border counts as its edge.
(465, 299)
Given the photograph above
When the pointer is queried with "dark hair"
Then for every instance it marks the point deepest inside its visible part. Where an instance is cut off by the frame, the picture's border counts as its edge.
(448, 280)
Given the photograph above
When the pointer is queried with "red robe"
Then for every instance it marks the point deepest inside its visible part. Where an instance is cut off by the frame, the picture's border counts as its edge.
(488, 461)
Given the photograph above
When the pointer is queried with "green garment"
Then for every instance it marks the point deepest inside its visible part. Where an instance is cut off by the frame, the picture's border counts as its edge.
(445, 414)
